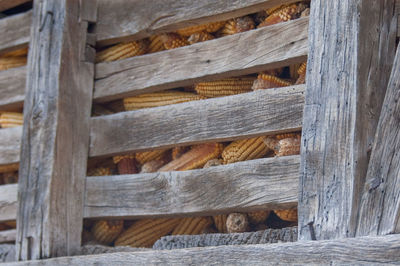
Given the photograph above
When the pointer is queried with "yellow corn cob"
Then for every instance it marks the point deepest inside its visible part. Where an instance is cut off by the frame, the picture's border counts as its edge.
(105, 232)
(287, 215)
(302, 74)
(237, 25)
(122, 51)
(192, 226)
(173, 40)
(220, 222)
(209, 27)
(146, 156)
(288, 146)
(99, 171)
(152, 166)
(237, 223)
(156, 44)
(11, 62)
(245, 149)
(10, 177)
(148, 100)
(200, 37)
(179, 151)
(224, 87)
(287, 13)
(144, 233)
(17, 53)
(9, 168)
(258, 217)
(11, 119)
(265, 81)
(213, 162)
(287, 135)
(195, 158)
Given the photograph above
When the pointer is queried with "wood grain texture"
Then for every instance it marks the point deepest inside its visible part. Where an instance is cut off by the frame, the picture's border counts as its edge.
(14, 31)
(349, 65)
(10, 145)
(380, 205)
(7, 4)
(7, 253)
(398, 17)
(250, 114)
(245, 53)
(363, 250)
(8, 236)
(55, 133)
(8, 202)
(12, 88)
(244, 186)
(121, 20)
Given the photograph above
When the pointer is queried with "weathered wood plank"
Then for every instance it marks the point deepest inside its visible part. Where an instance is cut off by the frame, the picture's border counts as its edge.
(239, 54)
(14, 31)
(398, 17)
(244, 186)
(57, 112)
(363, 250)
(121, 20)
(12, 88)
(349, 64)
(8, 202)
(7, 253)
(251, 114)
(7, 236)
(7, 4)
(380, 204)
(10, 145)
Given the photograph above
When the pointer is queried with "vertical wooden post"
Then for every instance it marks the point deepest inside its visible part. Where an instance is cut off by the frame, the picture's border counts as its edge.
(55, 138)
(352, 45)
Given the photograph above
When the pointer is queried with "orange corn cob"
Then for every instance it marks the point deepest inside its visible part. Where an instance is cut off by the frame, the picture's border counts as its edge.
(275, 9)
(122, 51)
(213, 162)
(302, 74)
(179, 151)
(146, 156)
(173, 40)
(209, 27)
(237, 223)
(266, 81)
(118, 158)
(156, 44)
(200, 37)
(11, 62)
(224, 87)
(17, 53)
(288, 146)
(220, 222)
(287, 135)
(287, 13)
(287, 215)
(152, 166)
(5, 168)
(155, 99)
(99, 171)
(192, 226)
(245, 149)
(10, 177)
(258, 217)
(144, 233)
(238, 25)
(105, 232)
(195, 158)
(11, 119)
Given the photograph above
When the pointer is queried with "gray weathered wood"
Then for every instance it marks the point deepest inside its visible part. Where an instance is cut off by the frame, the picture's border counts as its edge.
(120, 20)
(10, 145)
(12, 88)
(268, 236)
(250, 114)
(352, 45)
(14, 31)
(56, 132)
(245, 53)
(363, 250)
(7, 4)
(398, 16)
(244, 186)
(8, 202)
(7, 253)
(7, 236)
(380, 204)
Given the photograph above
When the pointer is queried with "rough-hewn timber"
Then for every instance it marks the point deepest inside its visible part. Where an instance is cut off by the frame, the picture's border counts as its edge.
(14, 31)
(12, 88)
(10, 145)
(8, 202)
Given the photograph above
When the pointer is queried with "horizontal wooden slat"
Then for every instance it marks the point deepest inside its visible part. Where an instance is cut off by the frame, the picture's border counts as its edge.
(14, 31)
(248, 52)
(7, 4)
(7, 236)
(12, 88)
(121, 20)
(8, 202)
(10, 145)
(256, 113)
(360, 251)
(263, 183)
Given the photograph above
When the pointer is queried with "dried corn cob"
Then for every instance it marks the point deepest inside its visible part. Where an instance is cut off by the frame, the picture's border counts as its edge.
(146, 156)
(287, 215)
(287, 135)
(152, 166)
(220, 222)
(105, 232)
(237, 25)
(200, 37)
(195, 158)
(245, 149)
(288, 146)
(173, 40)
(126, 164)
(213, 162)
(258, 217)
(271, 142)
(179, 151)
(237, 223)
(11, 62)
(148, 100)
(144, 233)
(10, 177)
(122, 51)
(17, 53)
(287, 13)
(302, 74)
(209, 28)
(156, 44)
(99, 171)
(9, 168)
(224, 87)
(11, 119)
(192, 226)
(266, 81)
(118, 158)
(275, 9)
